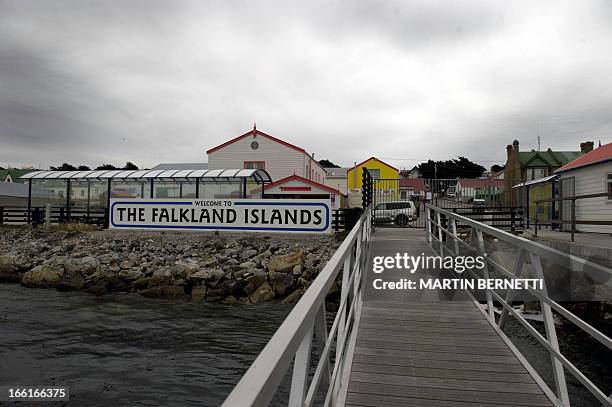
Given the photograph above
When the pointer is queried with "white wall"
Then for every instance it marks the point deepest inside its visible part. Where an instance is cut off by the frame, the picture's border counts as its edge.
(281, 161)
(337, 183)
(591, 180)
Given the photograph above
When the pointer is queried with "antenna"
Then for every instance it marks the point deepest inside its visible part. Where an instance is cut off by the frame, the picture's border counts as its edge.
(538, 141)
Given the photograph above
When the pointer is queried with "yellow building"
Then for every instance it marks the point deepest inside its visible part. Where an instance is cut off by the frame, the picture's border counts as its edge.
(387, 185)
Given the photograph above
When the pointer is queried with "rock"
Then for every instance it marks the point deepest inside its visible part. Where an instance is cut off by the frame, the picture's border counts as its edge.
(286, 263)
(140, 283)
(294, 297)
(163, 292)
(297, 270)
(264, 293)
(280, 282)
(160, 277)
(311, 260)
(9, 271)
(254, 281)
(247, 254)
(70, 281)
(86, 265)
(248, 265)
(42, 276)
(200, 276)
(231, 300)
(198, 293)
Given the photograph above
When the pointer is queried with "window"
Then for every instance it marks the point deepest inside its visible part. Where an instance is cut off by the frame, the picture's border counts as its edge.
(609, 182)
(536, 173)
(82, 192)
(374, 172)
(255, 165)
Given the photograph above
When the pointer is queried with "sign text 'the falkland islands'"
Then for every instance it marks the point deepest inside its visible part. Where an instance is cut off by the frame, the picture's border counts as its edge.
(256, 215)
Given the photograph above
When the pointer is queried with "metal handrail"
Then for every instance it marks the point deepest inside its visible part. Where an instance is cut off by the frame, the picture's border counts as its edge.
(535, 252)
(293, 339)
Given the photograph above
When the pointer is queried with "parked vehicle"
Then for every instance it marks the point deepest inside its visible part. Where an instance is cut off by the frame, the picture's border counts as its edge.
(400, 213)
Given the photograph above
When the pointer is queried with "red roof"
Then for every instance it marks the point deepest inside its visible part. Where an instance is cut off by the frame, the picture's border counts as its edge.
(481, 183)
(304, 180)
(412, 183)
(600, 154)
(256, 132)
(376, 159)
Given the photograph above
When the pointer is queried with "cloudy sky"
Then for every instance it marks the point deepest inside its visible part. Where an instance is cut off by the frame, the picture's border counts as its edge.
(161, 81)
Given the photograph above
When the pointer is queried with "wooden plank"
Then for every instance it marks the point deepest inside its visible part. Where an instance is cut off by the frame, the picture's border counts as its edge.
(438, 356)
(431, 340)
(447, 383)
(426, 370)
(418, 347)
(377, 400)
(494, 368)
(429, 319)
(428, 393)
(383, 326)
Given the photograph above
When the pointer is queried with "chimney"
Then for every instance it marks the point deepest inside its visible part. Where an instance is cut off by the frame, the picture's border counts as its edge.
(509, 152)
(515, 144)
(586, 147)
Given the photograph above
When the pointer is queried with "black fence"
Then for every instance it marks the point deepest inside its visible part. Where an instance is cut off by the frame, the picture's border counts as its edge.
(345, 218)
(14, 215)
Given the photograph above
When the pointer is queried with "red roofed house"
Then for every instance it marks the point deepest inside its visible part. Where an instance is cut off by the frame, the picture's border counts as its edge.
(256, 149)
(296, 187)
(590, 173)
(411, 187)
(490, 189)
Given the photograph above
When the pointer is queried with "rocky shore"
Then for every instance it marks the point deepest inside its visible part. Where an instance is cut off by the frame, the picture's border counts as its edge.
(203, 267)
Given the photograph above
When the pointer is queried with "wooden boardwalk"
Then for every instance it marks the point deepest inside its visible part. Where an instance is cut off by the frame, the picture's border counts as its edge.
(428, 351)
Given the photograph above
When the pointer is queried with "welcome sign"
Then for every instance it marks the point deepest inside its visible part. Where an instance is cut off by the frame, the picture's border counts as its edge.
(253, 215)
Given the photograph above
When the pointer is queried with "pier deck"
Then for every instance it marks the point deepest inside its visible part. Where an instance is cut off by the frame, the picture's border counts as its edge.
(430, 351)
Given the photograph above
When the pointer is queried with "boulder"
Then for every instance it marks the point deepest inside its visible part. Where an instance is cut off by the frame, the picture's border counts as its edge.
(85, 265)
(160, 277)
(286, 263)
(231, 300)
(247, 254)
(264, 293)
(164, 292)
(198, 293)
(294, 297)
(280, 282)
(248, 265)
(9, 272)
(254, 280)
(70, 281)
(45, 275)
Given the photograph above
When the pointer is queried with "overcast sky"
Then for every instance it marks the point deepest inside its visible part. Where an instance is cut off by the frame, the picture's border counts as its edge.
(162, 81)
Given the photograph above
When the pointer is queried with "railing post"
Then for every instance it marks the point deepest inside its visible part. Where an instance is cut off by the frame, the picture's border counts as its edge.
(47, 215)
(551, 333)
(439, 226)
(517, 270)
(428, 226)
(485, 271)
(301, 364)
(346, 271)
(320, 329)
(455, 237)
(573, 218)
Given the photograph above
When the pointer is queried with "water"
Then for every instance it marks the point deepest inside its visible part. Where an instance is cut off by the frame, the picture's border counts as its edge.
(124, 349)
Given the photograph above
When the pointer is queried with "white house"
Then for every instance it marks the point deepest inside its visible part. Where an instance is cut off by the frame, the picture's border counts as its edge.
(256, 149)
(336, 179)
(590, 173)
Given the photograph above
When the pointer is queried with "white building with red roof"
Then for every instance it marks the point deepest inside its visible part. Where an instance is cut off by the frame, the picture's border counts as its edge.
(258, 150)
(296, 187)
(588, 174)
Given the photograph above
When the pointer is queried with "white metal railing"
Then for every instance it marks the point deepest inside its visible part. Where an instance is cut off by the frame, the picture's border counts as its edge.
(443, 237)
(293, 339)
